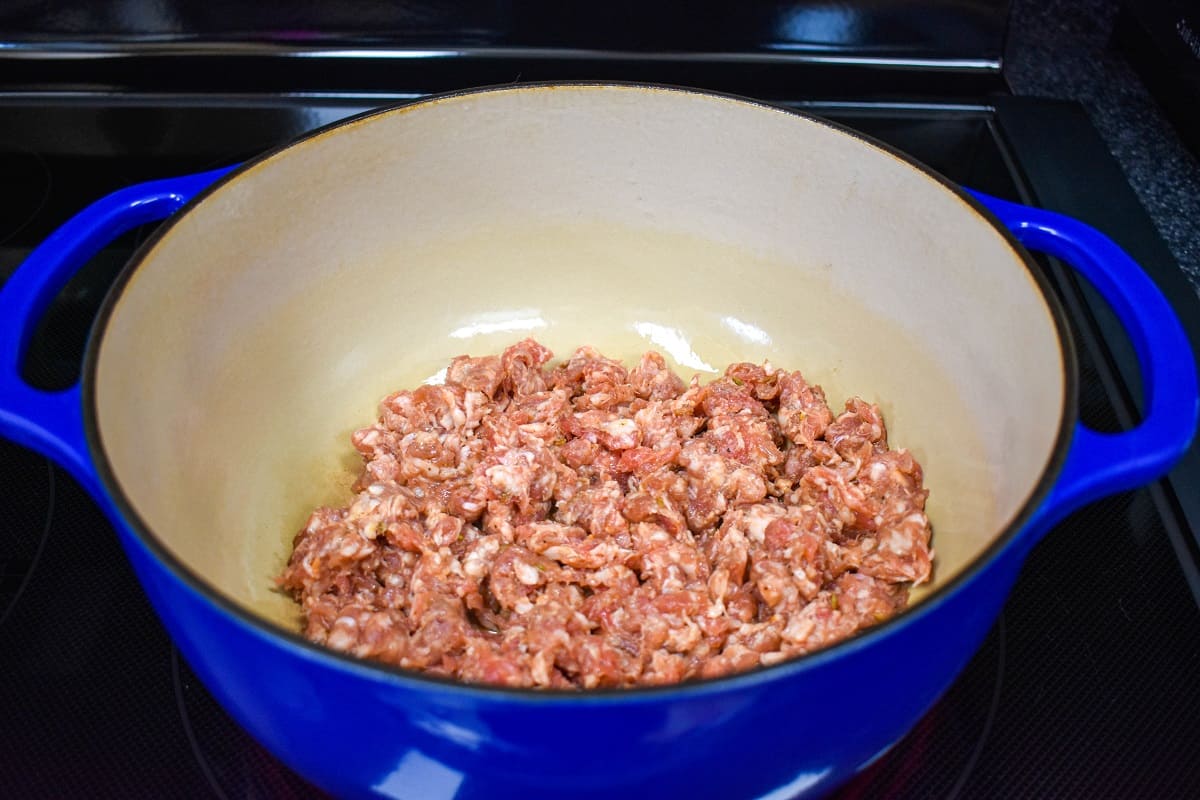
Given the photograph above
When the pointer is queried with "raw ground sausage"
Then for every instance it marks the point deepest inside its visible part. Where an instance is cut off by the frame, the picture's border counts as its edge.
(587, 525)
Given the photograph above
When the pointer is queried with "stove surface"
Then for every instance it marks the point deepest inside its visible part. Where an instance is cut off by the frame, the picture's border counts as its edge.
(1086, 686)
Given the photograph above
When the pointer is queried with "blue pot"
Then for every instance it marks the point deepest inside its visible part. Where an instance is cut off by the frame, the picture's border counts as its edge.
(358, 729)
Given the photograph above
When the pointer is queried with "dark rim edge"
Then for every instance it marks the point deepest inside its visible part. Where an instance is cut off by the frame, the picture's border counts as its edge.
(410, 679)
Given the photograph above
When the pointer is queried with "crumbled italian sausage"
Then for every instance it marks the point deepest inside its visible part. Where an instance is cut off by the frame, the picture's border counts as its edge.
(587, 525)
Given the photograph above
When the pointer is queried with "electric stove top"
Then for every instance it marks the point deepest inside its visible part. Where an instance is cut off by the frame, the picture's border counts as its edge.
(1088, 686)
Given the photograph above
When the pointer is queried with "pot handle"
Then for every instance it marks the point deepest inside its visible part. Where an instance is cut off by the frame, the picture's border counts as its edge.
(52, 422)
(1100, 464)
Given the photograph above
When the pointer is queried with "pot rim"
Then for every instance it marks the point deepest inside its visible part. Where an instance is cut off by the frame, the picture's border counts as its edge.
(417, 681)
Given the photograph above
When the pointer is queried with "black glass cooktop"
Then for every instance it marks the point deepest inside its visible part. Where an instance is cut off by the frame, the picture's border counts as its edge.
(1088, 687)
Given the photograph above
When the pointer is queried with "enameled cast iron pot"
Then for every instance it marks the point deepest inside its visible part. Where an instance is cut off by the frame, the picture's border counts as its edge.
(263, 322)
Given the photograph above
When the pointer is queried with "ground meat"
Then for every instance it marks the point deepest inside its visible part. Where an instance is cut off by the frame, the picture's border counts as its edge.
(587, 525)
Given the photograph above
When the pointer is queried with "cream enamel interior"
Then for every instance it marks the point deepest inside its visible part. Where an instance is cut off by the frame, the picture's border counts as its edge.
(267, 323)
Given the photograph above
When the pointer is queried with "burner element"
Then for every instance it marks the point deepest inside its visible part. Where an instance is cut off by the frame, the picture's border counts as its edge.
(234, 764)
(938, 757)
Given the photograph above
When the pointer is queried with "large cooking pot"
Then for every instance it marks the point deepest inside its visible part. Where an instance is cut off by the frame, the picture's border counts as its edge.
(263, 322)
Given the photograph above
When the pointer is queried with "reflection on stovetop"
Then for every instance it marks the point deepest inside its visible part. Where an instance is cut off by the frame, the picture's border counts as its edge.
(1086, 687)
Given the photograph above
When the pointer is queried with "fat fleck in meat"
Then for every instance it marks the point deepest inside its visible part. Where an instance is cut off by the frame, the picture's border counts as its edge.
(587, 525)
